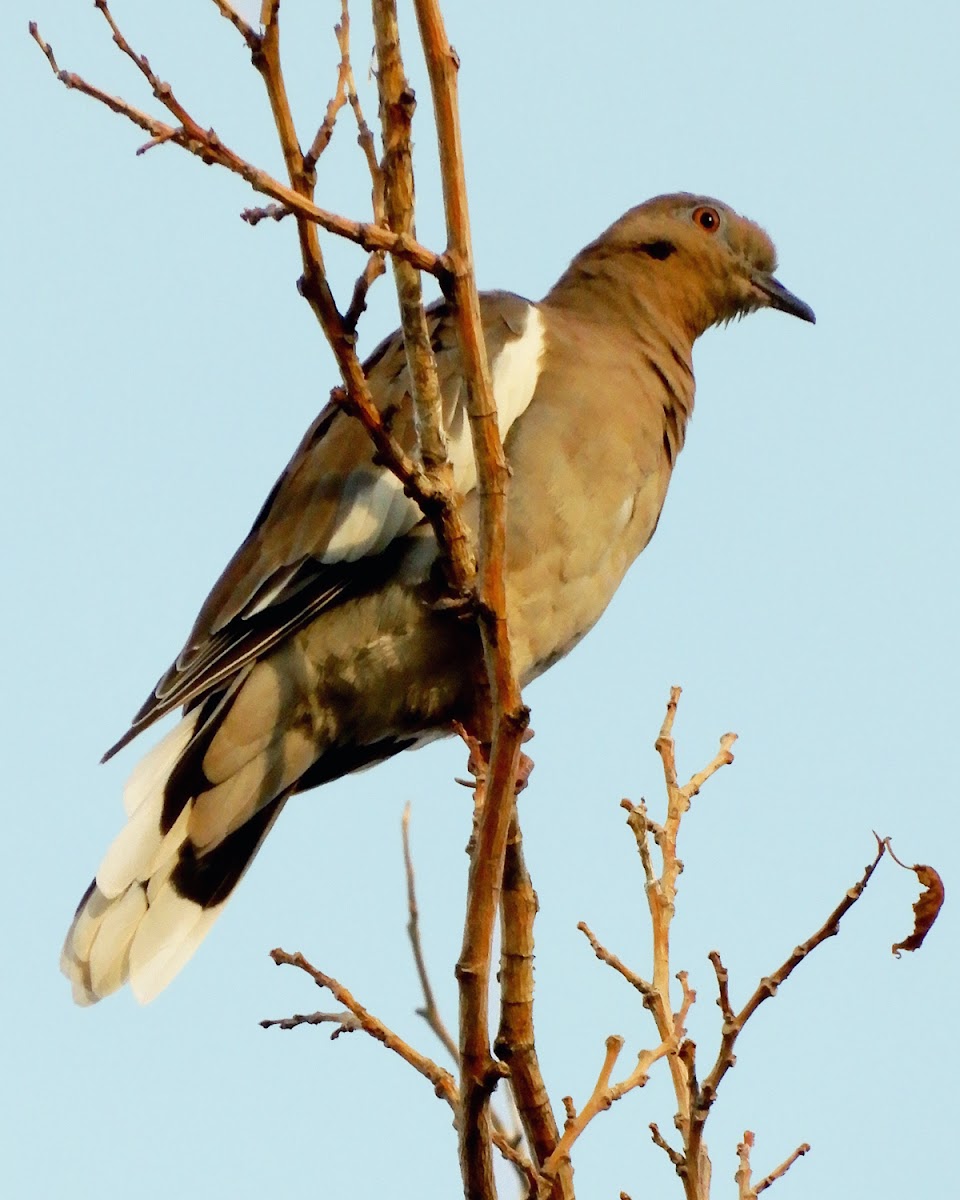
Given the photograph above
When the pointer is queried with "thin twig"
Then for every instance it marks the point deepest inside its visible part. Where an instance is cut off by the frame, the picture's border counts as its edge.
(779, 1172)
(577, 1121)
(645, 989)
(267, 212)
(661, 1141)
(345, 1022)
(723, 989)
(365, 138)
(358, 301)
(206, 145)
(443, 1082)
(767, 987)
(339, 97)
(247, 32)
(604, 1094)
(347, 92)
(357, 1017)
(430, 1012)
(746, 1189)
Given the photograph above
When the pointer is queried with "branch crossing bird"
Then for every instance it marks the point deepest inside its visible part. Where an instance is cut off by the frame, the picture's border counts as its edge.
(322, 648)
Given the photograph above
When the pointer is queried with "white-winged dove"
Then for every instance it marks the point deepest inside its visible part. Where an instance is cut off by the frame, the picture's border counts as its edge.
(321, 648)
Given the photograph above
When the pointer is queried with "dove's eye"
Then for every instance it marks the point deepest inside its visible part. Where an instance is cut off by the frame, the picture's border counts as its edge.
(707, 218)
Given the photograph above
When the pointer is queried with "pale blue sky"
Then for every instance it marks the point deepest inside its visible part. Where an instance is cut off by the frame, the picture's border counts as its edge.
(159, 368)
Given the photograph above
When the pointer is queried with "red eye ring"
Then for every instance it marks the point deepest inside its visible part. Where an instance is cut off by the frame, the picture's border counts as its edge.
(707, 218)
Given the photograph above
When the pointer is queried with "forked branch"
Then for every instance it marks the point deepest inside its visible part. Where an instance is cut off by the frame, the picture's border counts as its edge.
(695, 1098)
(206, 145)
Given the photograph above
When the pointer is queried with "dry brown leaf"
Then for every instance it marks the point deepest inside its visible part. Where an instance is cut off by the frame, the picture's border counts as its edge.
(928, 905)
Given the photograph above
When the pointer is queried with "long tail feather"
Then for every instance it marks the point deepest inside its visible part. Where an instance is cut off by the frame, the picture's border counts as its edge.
(155, 898)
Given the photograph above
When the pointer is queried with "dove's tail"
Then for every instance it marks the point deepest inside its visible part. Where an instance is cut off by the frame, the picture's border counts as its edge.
(170, 871)
(199, 806)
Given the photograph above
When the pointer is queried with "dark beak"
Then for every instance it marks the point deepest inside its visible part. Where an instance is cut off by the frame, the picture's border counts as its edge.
(777, 296)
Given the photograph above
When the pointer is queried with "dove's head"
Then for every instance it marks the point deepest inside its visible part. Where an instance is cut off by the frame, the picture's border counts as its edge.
(688, 261)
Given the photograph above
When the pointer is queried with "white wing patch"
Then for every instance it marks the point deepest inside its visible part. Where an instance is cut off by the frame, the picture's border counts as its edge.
(515, 372)
(373, 510)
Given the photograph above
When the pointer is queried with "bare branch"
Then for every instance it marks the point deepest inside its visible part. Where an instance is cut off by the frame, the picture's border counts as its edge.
(645, 989)
(397, 104)
(604, 1094)
(357, 1017)
(768, 986)
(577, 1122)
(207, 146)
(694, 1099)
(503, 1139)
(358, 301)
(479, 1070)
(345, 1022)
(723, 978)
(364, 136)
(247, 32)
(443, 1083)
(661, 893)
(162, 91)
(660, 1140)
(734, 1023)
(431, 485)
(339, 98)
(746, 1190)
(442, 65)
(744, 1173)
(779, 1172)
(435, 501)
(268, 212)
(429, 1011)
(473, 973)
(396, 115)
(515, 1042)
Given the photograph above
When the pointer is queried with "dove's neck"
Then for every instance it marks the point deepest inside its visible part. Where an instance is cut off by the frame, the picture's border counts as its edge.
(636, 312)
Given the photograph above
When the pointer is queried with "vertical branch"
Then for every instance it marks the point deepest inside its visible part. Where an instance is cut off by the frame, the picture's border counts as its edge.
(397, 103)
(515, 1037)
(661, 892)
(515, 1043)
(507, 719)
(429, 1011)
(661, 897)
(442, 65)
